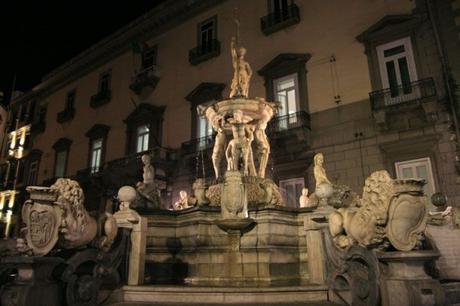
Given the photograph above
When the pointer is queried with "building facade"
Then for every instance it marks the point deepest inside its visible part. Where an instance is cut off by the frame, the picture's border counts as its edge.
(370, 84)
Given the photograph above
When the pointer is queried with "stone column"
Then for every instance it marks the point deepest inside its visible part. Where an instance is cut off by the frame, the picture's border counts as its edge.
(316, 251)
(130, 219)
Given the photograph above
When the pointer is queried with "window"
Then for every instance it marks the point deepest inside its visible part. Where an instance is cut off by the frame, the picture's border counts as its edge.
(418, 169)
(33, 173)
(61, 148)
(278, 7)
(207, 44)
(149, 58)
(60, 165)
(207, 33)
(144, 128)
(397, 67)
(203, 94)
(204, 128)
(42, 114)
(281, 14)
(70, 101)
(96, 155)
(287, 92)
(142, 139)
(291, 190)
(97, 135)
(104, 82)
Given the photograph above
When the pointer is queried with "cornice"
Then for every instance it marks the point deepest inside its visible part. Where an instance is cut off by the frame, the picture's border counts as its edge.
(157, 21)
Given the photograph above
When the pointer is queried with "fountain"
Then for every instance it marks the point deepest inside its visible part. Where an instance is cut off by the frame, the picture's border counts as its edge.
(234, 241)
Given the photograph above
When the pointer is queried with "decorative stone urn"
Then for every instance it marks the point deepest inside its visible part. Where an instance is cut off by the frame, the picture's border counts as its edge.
(324, 192)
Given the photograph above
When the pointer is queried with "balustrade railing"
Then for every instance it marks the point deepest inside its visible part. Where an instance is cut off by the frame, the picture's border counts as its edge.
(287, 122)
(198, 144)
(280, 19)
(204, 51)
(401, 94)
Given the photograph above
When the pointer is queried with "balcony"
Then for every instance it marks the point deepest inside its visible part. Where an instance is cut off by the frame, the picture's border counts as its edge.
(128, 170)
(289, 136)
(204, 52)
(65, 115)
(38, 127)
(398, 96)
(407, 104)
(147, 78)
(280, 19)
(91, 171)
(101, 98)
(288, 123)
(198, 144)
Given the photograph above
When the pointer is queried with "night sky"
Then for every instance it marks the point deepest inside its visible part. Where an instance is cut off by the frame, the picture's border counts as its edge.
(38, 36)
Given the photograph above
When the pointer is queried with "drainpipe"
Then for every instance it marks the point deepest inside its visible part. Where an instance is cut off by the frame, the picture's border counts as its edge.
(445, 68)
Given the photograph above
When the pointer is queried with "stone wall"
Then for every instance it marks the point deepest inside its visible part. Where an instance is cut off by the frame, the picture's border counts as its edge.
(446, 238)
(349, 156)
(188, 247)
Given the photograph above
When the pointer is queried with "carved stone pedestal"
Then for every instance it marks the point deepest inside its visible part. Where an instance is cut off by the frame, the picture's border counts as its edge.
(404, 281)
(33, 283)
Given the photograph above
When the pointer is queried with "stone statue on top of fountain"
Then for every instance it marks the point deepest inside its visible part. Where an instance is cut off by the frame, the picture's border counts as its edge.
(238, 122)
(242, 70)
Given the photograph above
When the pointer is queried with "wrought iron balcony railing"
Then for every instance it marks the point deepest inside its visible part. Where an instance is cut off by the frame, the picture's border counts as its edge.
(101, 98)
(38, 127)
(147, 77)
(66, 115)
(281, 124)
(402, 94)
(280, 19)
(204, 52)
(198, 144)
(157, 153)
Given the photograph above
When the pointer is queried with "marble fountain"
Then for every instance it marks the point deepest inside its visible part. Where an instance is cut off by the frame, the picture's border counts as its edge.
(233, 242)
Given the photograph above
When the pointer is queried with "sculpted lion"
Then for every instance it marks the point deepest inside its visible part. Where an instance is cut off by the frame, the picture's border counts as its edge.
(363, 221)
(78, 227)
(390, 212)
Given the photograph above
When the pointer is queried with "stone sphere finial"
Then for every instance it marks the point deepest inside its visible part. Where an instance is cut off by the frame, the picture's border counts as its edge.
(126, 196)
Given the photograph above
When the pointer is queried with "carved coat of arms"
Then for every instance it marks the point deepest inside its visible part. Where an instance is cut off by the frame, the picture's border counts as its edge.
(42, 220)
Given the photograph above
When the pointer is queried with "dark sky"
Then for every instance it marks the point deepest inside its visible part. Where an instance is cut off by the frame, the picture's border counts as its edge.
(37, 36)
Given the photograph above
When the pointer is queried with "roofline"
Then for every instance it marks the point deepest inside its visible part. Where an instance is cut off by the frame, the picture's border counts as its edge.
(153, 23)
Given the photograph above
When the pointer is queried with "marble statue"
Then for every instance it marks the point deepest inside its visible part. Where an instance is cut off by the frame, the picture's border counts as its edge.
(184, 201)
(261, 139)
(390, 212)
(220, 141)
(319, 171)
(303, 199)
(240, 146)
(147, 189)
(440, 217)
(78, 228)
(148, 170)
(323, 186)
(242, 71)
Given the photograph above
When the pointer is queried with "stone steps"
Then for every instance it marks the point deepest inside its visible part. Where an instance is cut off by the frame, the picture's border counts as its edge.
(210, 296)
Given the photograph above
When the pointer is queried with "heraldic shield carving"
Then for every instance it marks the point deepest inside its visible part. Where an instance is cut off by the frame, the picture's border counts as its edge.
(407, 215)
(42, 220)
